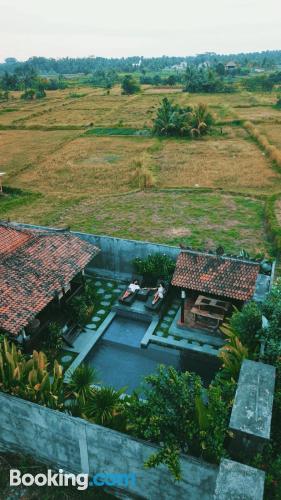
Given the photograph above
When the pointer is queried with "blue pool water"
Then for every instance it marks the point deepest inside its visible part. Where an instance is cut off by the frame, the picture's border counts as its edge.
(121, 362)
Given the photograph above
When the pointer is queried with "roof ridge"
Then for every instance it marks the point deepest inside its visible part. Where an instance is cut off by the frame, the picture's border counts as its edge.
(225, 257)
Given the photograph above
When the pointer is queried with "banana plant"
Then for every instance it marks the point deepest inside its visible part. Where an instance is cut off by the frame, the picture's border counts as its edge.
(232, 353)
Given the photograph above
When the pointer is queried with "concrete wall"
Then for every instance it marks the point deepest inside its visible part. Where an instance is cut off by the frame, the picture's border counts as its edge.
(79, 446)
(116, 256)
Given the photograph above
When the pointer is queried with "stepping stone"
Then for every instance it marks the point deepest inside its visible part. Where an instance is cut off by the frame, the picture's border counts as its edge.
(117, 290)
(109, 285)
(167, 319)
(98, 283)
(101, 312)
(66, 359)
(100, 291)
(159, 334)
(171, 313)
(105, 303)
(96, 319)
(164, 324)
(108, 296)
(195, 343)
(91, 326)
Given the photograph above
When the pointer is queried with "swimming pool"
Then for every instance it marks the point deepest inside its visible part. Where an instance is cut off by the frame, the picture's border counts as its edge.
(120, 361)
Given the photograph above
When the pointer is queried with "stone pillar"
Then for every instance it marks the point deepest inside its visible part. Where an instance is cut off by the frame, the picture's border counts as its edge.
(251, 414)
(239, 481)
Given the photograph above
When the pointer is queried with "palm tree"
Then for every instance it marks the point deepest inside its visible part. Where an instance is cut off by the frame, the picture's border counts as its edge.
(201, 120)
(81, 382)
(104, 407)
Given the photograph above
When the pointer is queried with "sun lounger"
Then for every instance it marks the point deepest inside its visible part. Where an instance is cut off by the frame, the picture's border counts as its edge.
(128, 300)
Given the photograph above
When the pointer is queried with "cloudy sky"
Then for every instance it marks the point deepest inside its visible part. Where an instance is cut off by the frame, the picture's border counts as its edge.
(115, 28)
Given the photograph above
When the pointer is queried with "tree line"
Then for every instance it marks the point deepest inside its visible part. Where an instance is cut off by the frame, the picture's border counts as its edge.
(268, 59)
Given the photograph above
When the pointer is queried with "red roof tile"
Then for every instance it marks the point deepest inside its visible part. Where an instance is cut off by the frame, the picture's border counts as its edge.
(222, 276)
(34, 267)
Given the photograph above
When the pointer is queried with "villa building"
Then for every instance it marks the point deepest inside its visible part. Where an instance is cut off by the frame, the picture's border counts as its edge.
(36, 267)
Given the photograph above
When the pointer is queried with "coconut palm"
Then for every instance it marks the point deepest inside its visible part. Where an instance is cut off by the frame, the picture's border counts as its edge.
(201, 120)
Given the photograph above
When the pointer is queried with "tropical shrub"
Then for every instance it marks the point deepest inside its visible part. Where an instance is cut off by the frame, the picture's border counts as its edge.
(178, 414)
(81, 382)
(129, 85)
(28, 95)
(29, 377)
(54, 340)
(155, 266)
(104, 406)
(247, 325)
(173, 120)
(232, 353)
(81, 306)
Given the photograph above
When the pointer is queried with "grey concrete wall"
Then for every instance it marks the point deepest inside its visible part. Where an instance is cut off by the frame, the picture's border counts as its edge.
(79, 446)
(116, 256)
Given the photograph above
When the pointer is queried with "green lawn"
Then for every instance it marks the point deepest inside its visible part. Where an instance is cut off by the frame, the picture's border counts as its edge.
(202, 219)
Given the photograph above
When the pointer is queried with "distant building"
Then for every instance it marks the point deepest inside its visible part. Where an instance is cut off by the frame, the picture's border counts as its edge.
(204, 65)
(179, 67)
(231, 66)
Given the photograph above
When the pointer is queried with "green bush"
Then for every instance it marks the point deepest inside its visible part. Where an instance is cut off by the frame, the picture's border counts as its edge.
(54, 340)
(155, 266)
(173, 120)
(247, 324)
(177, 413)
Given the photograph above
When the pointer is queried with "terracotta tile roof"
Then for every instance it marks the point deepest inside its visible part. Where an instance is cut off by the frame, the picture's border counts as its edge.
(222, 276)
(34, 267)
(10, 239)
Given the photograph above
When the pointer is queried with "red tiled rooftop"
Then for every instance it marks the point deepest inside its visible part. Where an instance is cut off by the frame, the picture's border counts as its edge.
(222, 276)
(11, 239)
(34, 267)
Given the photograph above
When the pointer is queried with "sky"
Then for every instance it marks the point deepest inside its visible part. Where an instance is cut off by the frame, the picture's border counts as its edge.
(117, 28)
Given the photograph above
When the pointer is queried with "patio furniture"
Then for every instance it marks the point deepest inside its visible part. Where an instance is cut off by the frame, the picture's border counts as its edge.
(143, 294)
(155, 307)
(128, 300)
(210, 309)
(212, 304)
(215, 318)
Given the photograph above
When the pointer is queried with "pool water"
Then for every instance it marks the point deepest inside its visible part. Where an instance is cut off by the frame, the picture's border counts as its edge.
(121, 362)
(125, 366)
(124, 330)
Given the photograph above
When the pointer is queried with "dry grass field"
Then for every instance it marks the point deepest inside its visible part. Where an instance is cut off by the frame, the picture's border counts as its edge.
(272, 131)
(83, 180)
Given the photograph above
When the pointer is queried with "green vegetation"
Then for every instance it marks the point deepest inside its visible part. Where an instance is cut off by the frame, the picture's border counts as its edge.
(173, 120)
(246, 328)
(155, 266)
(174, 413)
(30, 378)
(129, 85)
(206, 80)
(81, 307)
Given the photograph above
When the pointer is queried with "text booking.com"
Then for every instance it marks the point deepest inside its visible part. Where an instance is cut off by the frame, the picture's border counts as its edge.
(80, 481)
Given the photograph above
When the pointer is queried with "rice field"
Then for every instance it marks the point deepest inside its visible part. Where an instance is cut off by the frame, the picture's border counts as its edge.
(84, 180)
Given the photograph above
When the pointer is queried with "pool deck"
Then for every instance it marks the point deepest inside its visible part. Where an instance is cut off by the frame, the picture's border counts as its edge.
(163, 330)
